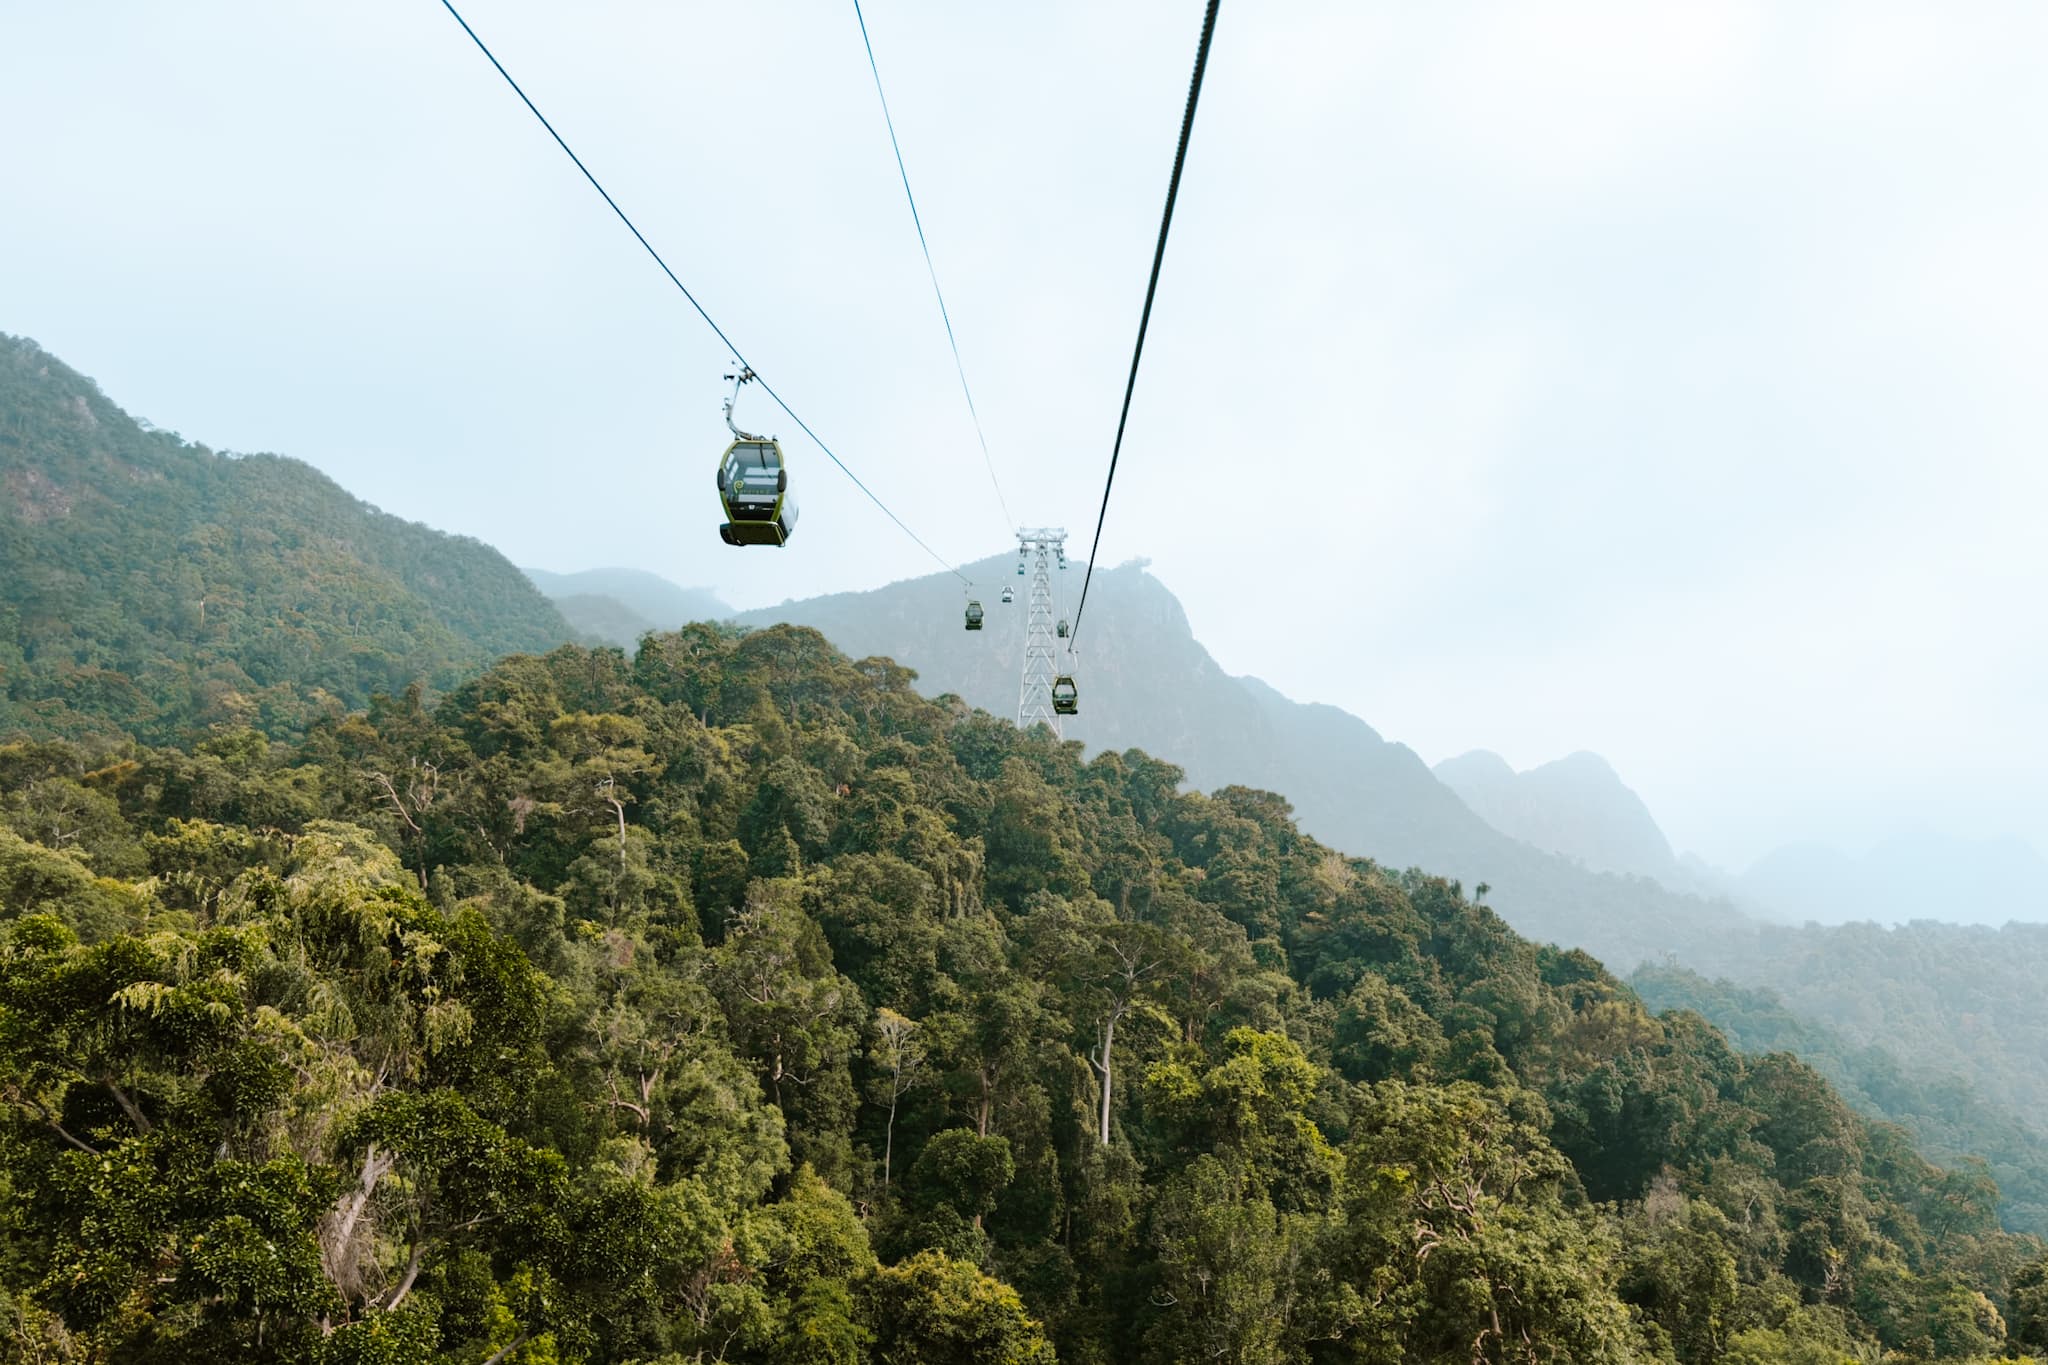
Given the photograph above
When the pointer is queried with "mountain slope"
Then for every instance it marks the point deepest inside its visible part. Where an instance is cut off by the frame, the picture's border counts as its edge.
(605, 620)
(1147, 683)
(1952, 1121)
(147, 585)
(646, 596)
(1575, 806)
(1949, 1000)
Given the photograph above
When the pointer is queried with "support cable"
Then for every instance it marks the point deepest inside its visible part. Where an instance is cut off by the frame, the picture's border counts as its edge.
(713, 325)
(932, 270)
(1180, 156)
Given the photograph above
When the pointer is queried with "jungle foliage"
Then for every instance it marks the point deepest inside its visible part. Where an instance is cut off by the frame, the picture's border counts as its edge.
(153, 586)
(1959, 1006)
(1950, 1118)
(732, 1002)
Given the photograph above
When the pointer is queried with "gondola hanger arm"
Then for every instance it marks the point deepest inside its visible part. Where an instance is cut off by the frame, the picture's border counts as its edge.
(740, 377)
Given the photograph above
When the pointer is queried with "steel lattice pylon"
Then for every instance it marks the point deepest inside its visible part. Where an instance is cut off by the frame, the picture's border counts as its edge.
(1037, 549)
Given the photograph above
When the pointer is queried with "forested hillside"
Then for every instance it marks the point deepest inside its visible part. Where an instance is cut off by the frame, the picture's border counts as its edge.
(1951, 1120)
(151, 585)
(734, 1002)
(1146, 682)
(601, 620)
(1949, 1000)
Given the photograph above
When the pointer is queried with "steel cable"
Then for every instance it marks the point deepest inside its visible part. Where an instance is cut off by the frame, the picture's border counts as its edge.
(708, 320)
(1180, 156)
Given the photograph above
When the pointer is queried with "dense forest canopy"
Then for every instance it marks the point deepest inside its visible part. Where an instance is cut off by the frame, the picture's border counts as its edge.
(152, 585)
(1951, 1000)
(1954, 1009)
(732, 1001)
(1951, 1119)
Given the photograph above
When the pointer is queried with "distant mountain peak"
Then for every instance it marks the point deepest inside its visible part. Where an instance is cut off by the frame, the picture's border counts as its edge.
(1476, 765)
(1576, 806)
(1583, 761)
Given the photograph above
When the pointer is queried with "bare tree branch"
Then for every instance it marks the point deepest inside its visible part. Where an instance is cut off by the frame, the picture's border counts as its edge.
(508, 1348)
(128, 1106)
(50, 1121)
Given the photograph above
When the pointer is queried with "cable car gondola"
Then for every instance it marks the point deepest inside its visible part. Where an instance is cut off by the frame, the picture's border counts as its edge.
(1008, 597)
(753, 484)
(1066, 698)
(974, 614)
(1063, 627)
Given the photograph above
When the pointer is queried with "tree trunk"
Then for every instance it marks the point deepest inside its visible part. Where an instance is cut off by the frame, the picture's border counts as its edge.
(1102, 1070)
(412, 1274)
(375, 1165)
(889, 1136)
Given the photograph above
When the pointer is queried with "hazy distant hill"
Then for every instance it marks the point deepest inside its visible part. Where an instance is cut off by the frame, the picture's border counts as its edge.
(1147, 683)
(1575, 806)
(1905, 878)
(642, 595)
(147, 584)
(1947, 999)
(1578, 807)
(603, 620)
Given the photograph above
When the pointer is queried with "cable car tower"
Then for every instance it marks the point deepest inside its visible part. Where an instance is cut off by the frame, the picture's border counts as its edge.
(1044, 548)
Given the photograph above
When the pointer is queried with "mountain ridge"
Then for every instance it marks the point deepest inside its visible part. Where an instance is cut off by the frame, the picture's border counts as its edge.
(1576, 806)
(662, 602)
(1147, 683)
(154, 584)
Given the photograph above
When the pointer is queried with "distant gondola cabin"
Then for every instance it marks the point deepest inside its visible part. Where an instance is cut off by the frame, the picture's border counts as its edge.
(1066, 698)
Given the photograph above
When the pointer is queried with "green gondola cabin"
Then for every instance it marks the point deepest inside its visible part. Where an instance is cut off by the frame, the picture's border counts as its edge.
(753, 484)
(1066, 698)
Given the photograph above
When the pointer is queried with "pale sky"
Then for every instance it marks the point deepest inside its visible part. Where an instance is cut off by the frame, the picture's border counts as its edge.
(1658, 379)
